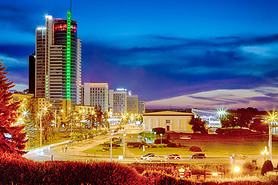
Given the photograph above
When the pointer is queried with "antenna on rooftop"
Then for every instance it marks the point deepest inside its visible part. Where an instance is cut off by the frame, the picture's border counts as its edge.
(70, 4)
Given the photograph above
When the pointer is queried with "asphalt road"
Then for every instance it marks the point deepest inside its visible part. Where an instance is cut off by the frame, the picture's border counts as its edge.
(74, 153)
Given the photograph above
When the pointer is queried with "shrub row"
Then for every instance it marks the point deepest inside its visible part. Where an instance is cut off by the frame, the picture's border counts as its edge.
(18, 170)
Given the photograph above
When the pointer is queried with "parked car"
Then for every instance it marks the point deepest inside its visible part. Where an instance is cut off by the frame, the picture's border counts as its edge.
(238, 156)
(198, 156)
(147, 156)
(173, 156)
(155, 158)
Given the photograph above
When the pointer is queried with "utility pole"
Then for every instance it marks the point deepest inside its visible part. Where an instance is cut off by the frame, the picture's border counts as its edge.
(55, 118)
(270, 141)
(40, 129)
(124, 145)
(111, 147)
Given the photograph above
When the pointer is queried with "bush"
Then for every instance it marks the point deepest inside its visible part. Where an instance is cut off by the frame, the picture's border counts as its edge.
(268, 166)
(135, 144)
(249, 168)
(171, 144)
(219, 131)
(107, 145)
(159, 178)
(164, 141)
(18, 170)
(159, 130)
(195, 149)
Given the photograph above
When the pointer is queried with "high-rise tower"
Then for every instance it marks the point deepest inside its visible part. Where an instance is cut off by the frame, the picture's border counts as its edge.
(58, 60)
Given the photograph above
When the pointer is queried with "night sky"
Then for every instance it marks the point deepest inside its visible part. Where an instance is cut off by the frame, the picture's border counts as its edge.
(178, 53)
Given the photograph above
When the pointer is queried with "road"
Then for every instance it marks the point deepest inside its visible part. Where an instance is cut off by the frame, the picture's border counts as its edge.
(74, 153)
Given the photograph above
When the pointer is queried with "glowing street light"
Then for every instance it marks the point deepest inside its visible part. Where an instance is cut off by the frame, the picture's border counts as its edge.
(236, 169)
(221, 112)
(265, 152)
(271, 119)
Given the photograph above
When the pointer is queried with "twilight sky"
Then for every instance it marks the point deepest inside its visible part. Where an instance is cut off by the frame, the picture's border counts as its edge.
(178, 53)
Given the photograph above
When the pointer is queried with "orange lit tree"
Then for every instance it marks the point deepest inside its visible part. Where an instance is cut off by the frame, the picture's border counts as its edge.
(12, 139)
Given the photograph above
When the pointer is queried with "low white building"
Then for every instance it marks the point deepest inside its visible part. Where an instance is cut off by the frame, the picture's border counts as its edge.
(170, 120)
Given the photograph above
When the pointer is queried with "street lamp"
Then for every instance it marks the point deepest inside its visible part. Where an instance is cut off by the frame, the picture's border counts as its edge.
(161, 137)
(40, 114)
(111, 146)
(265, 152)
(124, 145)
(236, 169)
(272, 117)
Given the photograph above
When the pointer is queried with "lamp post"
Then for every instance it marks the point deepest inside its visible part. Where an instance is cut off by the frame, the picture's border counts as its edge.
(111, 147)
(45, 109)
(124, 145)
(265, 152)
(270, 141)
(161, 137)
(40, 129)
(55, 118)
(272, 118)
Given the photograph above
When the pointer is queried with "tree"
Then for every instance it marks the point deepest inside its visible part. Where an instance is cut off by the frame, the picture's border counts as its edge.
(268, 166)
(159, 130)
(30, 122)
(48, 131)
(230, 120)
(92, 120)
(99, 120)
(240, 117)
(139, 117)
(245, 116)
(105, 120)
(12, 139)
(198, 125)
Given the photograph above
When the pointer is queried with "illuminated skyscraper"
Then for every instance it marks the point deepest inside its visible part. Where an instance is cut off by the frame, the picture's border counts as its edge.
(119, 101)
(58, 60)
(95, 94)
(132, 104)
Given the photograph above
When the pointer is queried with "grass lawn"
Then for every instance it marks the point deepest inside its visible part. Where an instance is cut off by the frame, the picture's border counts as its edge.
(210, 147)
(99, 150)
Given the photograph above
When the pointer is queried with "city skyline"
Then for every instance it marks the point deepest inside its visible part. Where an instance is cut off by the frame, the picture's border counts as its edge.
(201, 54)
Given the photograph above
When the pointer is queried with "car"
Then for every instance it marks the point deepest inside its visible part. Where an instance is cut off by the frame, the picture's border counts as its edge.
(198, 156)
(147, 156)
(173, 156)
(155, 158)
(238, 156)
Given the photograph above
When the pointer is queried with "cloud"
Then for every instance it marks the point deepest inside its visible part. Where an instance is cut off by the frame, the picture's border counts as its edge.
(20, 87)
(231, 99)
(182, 66)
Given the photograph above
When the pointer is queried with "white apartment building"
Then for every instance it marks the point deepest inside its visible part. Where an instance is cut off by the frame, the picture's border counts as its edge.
(118, 101)
(141, 107)
(132, 104)
(95, 94)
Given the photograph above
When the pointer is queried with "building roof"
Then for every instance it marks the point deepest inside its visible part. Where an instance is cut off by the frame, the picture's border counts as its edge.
(168, 113)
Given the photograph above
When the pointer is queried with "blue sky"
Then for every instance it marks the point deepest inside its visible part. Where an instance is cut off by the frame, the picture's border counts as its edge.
(192, 51)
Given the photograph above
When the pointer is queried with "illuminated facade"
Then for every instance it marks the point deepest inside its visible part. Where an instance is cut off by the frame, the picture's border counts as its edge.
(132, 104)
(58, 60)
(141, 107)
(95, 94)
(170, 120)
(119, 101)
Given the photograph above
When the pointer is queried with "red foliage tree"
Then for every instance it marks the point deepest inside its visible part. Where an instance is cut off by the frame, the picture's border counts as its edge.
(12, 139)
